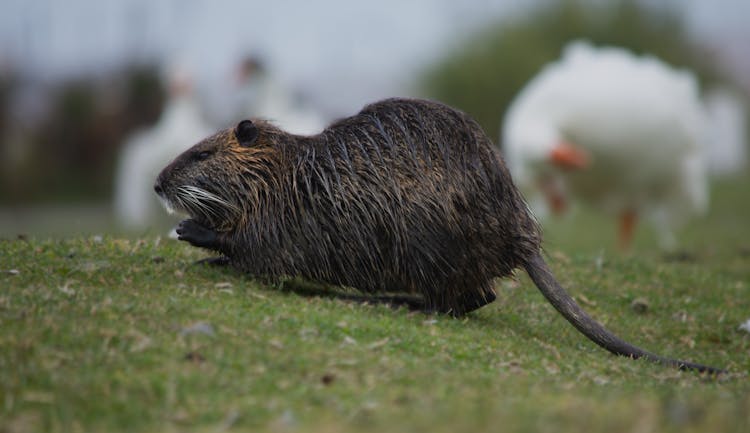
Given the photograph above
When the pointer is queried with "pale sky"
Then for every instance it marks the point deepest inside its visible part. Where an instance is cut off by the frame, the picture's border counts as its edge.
(347, 52)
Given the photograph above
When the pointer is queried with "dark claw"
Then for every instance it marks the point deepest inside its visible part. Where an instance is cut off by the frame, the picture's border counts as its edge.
(194, 233)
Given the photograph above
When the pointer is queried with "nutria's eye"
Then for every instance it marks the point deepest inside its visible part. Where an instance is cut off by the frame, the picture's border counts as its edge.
(246, 133)
(200, 156)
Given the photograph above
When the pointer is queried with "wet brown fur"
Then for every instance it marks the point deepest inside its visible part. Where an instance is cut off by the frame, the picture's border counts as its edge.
(407, 196)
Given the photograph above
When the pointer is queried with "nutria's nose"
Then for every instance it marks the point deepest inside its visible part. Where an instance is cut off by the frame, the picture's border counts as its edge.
(157, 187)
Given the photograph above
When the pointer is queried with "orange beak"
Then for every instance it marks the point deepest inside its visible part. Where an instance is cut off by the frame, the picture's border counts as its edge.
(569, 156)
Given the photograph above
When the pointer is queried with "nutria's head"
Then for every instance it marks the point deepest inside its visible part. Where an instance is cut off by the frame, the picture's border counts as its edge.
(222, 179)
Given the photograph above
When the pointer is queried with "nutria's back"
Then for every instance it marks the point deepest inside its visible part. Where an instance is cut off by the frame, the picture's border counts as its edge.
(406, 196)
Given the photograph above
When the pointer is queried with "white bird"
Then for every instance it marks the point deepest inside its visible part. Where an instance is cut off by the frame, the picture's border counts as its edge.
(146, 152)
(618, 131)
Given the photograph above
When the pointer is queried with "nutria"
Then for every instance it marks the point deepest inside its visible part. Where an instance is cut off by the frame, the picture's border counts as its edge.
(408, 196)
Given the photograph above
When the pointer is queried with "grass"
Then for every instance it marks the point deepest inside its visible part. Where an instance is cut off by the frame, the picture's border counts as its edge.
(111, 334)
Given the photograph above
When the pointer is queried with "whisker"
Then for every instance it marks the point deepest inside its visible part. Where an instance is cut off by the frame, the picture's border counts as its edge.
(203, 194)
(199, 201)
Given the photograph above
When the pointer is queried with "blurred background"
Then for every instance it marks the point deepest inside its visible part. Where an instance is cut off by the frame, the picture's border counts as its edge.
(94, 95)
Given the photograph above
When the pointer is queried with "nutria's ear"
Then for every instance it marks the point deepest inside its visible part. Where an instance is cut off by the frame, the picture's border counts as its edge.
(246, 133)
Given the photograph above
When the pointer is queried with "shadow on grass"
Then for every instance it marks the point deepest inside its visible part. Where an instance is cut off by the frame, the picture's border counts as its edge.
(310, 289)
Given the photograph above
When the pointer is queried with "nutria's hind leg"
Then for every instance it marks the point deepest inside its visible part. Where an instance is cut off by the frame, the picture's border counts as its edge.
(460, 302)
(480, 300)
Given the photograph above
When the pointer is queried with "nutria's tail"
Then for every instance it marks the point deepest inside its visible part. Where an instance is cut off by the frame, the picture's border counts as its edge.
(564, 303)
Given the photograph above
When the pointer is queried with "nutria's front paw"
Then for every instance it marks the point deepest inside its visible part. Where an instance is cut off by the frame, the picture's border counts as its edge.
(193, 232)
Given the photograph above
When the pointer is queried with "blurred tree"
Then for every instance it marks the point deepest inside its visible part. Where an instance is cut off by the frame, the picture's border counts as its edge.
(484, 74)
(73, 150)
(145, 95)
(63, 141)
(6, 87)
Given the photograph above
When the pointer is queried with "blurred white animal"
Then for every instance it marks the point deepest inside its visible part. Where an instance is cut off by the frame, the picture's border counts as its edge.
(146, 152)
(260, 95)
(621, 132)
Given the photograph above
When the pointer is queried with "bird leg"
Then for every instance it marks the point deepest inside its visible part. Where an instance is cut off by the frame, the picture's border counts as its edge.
(628, 219)
(556, 199)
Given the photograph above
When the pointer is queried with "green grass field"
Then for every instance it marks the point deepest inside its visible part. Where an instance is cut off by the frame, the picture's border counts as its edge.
(111, 334)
